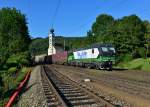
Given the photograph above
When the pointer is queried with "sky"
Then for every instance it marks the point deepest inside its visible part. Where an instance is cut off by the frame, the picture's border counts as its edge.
(74, 17)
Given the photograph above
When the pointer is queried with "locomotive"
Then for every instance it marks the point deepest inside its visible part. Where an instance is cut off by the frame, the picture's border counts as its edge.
(99, 56)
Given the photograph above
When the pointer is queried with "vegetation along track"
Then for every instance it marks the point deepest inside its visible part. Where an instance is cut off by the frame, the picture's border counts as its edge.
(71, 92)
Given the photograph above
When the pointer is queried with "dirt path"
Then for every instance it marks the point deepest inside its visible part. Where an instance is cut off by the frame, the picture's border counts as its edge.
(131, 86)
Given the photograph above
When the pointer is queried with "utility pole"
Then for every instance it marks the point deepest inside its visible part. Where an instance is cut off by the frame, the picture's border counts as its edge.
(64, 44)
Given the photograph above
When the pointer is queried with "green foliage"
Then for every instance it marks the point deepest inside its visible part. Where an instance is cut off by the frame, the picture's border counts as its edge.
(147, 38)
(129, 35)
(38, 46)
(14, 37)
(24, 69)
(102, 28)
(11, 83)
(12, 70)
(142, 52)
(1, 85)
(14, 43)
(20, 77)
(18, 59)
(138, 64)
(125, 57)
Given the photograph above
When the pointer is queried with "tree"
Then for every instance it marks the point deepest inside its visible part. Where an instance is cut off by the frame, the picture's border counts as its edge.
(102, 28)
(91, 37)
(130, 34)
(147, 37)
(14, 37)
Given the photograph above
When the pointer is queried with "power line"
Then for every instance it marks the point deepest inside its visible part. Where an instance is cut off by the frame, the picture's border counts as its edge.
(55, 13)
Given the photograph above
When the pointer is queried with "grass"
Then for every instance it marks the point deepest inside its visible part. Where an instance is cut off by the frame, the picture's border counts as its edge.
(137, 64)
(11, 82)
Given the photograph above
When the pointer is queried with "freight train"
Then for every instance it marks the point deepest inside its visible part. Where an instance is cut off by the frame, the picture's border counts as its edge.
(99, 56)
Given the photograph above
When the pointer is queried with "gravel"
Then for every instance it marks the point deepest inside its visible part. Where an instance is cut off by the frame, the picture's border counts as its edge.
(33, 95)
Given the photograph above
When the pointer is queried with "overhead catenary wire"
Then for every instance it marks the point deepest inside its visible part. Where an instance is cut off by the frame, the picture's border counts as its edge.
(55, 13)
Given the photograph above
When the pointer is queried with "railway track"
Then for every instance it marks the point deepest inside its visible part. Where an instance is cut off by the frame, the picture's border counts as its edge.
(53, 99)
(139, 88)
(69, 93)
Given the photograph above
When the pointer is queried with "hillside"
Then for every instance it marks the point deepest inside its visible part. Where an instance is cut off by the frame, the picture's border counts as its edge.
(40, 45)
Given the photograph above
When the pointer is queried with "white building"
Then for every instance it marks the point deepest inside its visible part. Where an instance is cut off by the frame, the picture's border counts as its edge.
(51, 48)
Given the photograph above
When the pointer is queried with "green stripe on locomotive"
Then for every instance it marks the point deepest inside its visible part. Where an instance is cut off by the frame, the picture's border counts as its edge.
(100, 58)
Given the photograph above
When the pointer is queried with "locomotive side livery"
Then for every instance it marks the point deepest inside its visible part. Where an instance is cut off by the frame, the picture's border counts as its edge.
(98, 56)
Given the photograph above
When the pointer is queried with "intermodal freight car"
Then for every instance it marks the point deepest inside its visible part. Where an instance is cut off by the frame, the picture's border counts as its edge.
(99, 56)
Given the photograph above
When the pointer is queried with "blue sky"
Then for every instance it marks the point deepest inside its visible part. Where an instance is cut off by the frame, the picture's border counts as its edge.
(74, 17)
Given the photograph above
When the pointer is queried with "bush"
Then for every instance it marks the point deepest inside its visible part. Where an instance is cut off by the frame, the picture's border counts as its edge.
(24, 69)
(12, 70)
(5, 67)
(20, 77)
(125, 58)
(1, 85)
(142, 52)
(137, 64)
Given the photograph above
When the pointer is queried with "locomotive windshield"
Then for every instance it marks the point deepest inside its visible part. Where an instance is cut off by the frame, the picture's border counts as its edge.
(104, 49)
(107, 51)
(112, 49)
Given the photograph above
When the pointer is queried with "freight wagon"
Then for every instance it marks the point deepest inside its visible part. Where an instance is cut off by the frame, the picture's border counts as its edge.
(60, 58)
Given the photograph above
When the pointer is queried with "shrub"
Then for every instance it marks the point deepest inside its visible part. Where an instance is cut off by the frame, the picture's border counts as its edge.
(12, 70)
(125, 57)
(142, 52)
(20, 77)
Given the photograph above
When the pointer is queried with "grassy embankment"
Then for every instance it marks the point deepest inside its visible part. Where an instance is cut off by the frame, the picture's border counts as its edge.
(11, 82)
(136, 64)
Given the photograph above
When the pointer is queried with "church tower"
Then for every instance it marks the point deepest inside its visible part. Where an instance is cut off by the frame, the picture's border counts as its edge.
(51, 48)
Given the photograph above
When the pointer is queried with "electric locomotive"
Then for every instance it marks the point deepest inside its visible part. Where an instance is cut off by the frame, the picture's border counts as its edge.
(99, 56)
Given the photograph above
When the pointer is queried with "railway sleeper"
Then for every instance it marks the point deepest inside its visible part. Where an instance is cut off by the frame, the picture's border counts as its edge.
(66, 89)
(51, 100)
(74, 91)
(78, 98)
(48, 94)
(74, 95)
(48, 91)
(53, 104)
(49, 97)
(81, 103)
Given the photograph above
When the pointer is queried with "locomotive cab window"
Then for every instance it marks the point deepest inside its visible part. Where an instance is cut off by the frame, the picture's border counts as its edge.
(104, 49)
(92, 50)
(112, 49)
